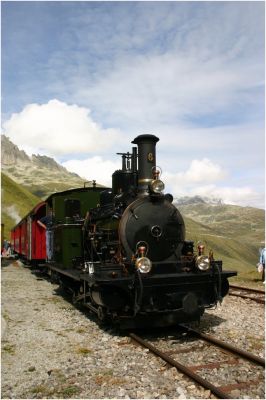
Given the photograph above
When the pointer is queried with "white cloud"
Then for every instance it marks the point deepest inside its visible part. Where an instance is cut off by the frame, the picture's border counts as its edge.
(203, 178)
(171, 87)
(56, 128)
(94, 168)
(243, 196)
(204, 170)
(165, 68)
(199, 171)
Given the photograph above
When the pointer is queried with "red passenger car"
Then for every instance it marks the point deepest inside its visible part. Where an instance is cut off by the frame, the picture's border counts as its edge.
(28, 238)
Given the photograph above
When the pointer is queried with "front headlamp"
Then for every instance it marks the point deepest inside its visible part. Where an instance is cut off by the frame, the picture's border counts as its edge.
(203, 263)
(157, 186)
(143, 264)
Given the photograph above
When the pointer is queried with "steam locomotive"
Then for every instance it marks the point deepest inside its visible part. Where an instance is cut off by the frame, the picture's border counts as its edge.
(122, 252)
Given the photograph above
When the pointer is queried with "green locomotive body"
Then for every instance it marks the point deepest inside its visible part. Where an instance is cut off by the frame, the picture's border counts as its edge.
(69, 210)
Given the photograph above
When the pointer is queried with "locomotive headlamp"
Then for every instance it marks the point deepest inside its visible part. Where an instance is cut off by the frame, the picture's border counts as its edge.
(157, 186)
(143, 264)
(203, 263)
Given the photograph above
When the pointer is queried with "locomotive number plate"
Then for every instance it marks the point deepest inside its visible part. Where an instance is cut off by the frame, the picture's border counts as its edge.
(150, 157)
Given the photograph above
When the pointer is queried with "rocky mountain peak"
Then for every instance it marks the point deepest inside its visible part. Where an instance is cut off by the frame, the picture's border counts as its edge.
(41, 175)
(46, 162)
(191, 200)
(10, 153)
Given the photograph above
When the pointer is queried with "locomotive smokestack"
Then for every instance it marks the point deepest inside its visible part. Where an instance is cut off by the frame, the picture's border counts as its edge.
(146, 160)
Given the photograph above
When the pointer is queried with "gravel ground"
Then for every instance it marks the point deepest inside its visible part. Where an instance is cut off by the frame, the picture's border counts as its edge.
(50, 349)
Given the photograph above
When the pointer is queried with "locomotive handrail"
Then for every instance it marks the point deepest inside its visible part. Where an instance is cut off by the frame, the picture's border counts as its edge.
(62, 224)
(93, 183)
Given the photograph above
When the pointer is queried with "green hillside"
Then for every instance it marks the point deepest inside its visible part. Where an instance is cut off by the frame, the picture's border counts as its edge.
(16, 202)
(235, 234)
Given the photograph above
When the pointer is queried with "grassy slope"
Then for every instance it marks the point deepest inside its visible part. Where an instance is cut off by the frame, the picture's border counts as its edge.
(18, 198)
(235, 234)
(43, 181)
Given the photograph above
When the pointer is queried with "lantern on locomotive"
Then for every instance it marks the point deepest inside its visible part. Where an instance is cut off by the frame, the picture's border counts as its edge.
(139, 269)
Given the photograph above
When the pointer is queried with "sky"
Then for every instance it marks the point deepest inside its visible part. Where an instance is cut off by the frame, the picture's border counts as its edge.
(80, 80)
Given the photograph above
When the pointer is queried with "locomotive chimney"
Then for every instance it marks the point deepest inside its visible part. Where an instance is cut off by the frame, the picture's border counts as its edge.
(146, 160)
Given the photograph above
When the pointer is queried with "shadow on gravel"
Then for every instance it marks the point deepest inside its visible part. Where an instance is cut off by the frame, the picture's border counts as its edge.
(106, 326)
(177, 334)
(5, 262)
(207, 322)
(39, 273)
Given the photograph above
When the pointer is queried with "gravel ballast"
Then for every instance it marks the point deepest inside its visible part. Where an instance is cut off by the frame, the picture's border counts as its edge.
(50, 349)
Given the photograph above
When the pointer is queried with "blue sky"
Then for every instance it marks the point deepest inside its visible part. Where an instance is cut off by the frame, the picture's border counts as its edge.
(81, 79)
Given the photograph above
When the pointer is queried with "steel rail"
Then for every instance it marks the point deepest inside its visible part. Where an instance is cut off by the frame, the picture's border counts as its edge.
(185, 370)
(251, 291)
(247, 289)
(242, 353)
(243, 296)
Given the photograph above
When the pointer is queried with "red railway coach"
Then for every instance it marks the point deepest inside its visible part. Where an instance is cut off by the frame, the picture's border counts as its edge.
(28, 238)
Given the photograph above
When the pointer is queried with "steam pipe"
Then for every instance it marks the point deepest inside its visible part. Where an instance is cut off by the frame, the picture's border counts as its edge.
(134, 163)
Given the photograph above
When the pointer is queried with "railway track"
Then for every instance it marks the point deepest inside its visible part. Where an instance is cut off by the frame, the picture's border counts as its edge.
(203, 357)
(247, 293)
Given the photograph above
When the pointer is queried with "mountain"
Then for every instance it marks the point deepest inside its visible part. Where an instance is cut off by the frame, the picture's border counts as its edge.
(188, 200)
(227, 220)
(235, 234)
(40, 175)
(16, 202)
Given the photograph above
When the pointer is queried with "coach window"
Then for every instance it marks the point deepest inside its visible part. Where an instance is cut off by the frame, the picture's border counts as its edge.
(72, 208)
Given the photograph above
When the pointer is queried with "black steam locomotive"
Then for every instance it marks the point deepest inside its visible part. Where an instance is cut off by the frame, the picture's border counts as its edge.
(126, 257)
